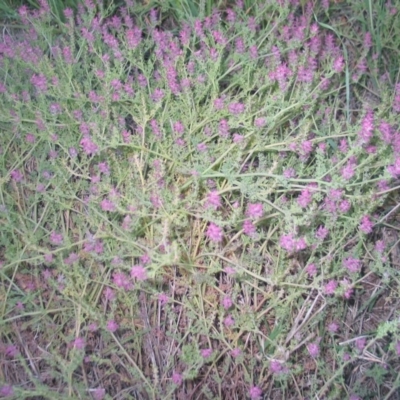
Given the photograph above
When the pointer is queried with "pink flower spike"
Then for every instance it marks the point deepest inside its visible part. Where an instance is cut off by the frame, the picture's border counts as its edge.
(366, 224)
(313, 349)
(99, 394)
(112, 326)
(56, 238)
(227, 302)
(163, 298)
(215, 233)
(206, 353)
(79, 343)
(229, 321)
(330, 287)
(139, 272)
(255, 210)
(237, 352)
(177, 378)
(255, 392)
(6, 391)
(352, 264)
(213, 200)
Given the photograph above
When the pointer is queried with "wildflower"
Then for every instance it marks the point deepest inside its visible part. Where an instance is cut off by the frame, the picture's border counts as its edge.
(360, 343)
(202, 147)
(344, 206)
(288, 242)
(352, 264)
(163, 298)
(333, 327)
(219, 103)
(276, 367)
(237, 352)
(229, 270)
(11, 351)
(112, 326)
(206, 353)
(139, 272)
(249, 228)
(214, 232)
(366, 224)
(380, 246)
(343, 146)
(255, 392)
(177, 378)
(338, 64)
(16, 175)
(6, 391)
(107, 205)
(89, 147)
(99, 394)
(313, 349)
(311, 269)
(109, 294)
(213, 200)
(79, 343)
(321, 233)
(367, 127)
(330, 287)
(92, 327)
(227, 302)
(40, 83)
(224, 128)
(121, 280)
(229, 321)
(48, 257)
(255, 210)
(238, 138)
(305, 198)
(56, 238)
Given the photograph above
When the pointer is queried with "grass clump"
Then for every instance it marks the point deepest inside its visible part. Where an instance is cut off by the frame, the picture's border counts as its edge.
(204, 209)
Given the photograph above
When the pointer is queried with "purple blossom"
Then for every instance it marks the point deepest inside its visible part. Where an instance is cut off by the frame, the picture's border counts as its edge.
(313, 349)
(344, 206)
(214, 232)
(6, 391)
(163, 298)
(219, 103)
(109, 294)
(139, 272)
(16, 175)
(56, 238)
(206, 353)
(255, 392)
(276, 367)
(112, 326)
(330, 287)
(333, 327)
(40, 83)
(360, 343)
(107, 205)
(213, 200)
(11, 351)
(79, 343)
(237, 138)
(121, 280)
(255, 210)
(224, 128)
(366, 224)
(227, 302)
(338, 64)
(237, 352)
(305, 198)
(99, 394)
(89, 147)
(352, 264)
(367, 127)
(178, 127)
(229, 321)
(348, 171)
(321, 233)
(311, 269)
(177, 378)
(249, 228)
(259, 122)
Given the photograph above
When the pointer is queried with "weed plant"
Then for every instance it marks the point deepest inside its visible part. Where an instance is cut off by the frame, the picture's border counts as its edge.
(198, 211)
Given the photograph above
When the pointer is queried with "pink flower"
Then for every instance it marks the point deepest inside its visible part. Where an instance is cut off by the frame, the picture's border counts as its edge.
(227, 302)
(305, 198)
(163, 298)
(214, 232)
(107, 205)
(366, 224)
(6, 391)
(249, 228)
(79, 343)
(344, 206)
(206, 353)
(16, 175)
(237, 352)
(219, 103)
(311, 269)
(236, 108)
(360, 343)
(255, 210)
(112, 326)
(313, 349)
(121, 280)
(259, 122)
(321, 233)
(11, 351)
(348, 171)
(177, 378)
(139, 272)
(276, 367)
(367, 127)
(333, 327)
(330, 287)
(380, 246)
(99, 394)
(229, 321)
(338, 64)
(213, 200)
(56, 238)
(352, 264)
(89, 147)
(255, 392)
(223, 128)
(109, 294)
